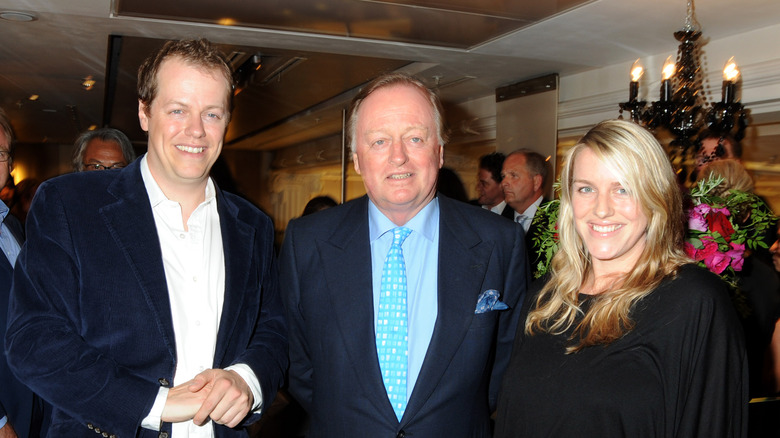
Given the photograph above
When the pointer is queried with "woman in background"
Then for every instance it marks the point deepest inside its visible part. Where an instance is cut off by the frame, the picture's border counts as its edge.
(627, 338)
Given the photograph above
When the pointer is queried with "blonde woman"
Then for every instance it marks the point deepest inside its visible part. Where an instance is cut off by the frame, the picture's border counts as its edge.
(627, 338)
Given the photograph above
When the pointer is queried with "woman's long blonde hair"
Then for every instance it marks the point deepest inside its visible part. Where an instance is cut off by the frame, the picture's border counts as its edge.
(643, 168)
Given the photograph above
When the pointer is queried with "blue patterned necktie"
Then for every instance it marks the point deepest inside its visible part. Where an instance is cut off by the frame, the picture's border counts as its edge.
(522, 219)
(392, 327)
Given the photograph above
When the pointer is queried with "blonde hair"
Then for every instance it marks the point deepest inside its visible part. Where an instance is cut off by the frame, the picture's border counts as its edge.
(734, 174)
(643, 168)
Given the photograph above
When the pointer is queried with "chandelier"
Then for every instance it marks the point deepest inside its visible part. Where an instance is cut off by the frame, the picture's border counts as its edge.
(683, 108)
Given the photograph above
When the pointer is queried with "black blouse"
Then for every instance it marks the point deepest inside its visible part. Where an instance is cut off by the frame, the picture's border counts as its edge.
(681, 372)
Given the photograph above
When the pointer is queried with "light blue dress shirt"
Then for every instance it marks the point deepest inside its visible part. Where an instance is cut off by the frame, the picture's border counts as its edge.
(10, 247)
(8, 242)
(421, 256)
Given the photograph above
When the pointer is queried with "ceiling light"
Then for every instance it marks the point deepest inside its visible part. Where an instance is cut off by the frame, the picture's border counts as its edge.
(88, 83)
(17, 16)
(33, 97)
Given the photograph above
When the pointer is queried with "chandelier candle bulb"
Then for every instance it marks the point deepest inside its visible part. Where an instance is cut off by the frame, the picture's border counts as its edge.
(666, 83)
(636, 73)
(730, 77)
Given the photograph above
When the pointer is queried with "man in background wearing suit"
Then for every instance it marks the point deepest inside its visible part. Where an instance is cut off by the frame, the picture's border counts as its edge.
(21, 412)
(525, 175)
(402, 305)
(145, 300)
(491, 195)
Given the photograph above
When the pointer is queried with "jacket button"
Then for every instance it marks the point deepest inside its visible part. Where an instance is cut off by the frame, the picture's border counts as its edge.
(401, 434)
(90, 426)
(105, 435)
(163, 435)
(163, 381)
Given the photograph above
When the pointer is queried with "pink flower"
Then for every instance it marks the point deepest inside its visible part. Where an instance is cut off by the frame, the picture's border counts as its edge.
(717, 262)
(709, 250)
(696, 220)
(737, 255)
(702, 208)
(690, 250)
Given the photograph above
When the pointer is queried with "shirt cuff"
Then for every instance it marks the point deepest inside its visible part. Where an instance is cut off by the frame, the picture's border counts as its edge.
(3, 421)
(249, 377)
(154, 419)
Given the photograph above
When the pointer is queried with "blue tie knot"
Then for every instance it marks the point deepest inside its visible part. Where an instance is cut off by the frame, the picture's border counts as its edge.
(399, 235)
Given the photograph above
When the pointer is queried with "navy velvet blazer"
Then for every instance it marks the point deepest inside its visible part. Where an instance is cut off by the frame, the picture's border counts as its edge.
(90, 324)
(334, 370)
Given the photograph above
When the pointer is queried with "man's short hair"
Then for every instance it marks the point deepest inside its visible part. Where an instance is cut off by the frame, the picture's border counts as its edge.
(199, 53)
(535, 163)
(388, 80)
(5, 126)
(493, 163)
(105, 134)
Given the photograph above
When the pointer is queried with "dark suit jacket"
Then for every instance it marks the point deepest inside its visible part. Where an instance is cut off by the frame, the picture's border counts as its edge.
(25, 411)
(508, 213)
(90, 324)
(334, 370)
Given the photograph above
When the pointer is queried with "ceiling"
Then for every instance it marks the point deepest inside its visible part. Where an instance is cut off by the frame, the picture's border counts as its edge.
(314, 54)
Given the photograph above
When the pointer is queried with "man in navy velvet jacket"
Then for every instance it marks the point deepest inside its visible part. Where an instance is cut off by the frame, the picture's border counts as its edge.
(145, 300)
(465, 271)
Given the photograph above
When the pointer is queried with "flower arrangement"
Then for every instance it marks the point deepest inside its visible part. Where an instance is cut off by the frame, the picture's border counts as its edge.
(723, 228)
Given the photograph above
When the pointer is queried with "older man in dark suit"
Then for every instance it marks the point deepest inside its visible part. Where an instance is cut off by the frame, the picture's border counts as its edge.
(22, 413)
(145, 300)
(402, 305)
(525, 175)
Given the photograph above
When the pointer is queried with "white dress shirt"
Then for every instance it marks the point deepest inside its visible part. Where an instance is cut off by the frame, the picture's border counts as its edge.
(528, 214)
(194, 264)
(498, 208)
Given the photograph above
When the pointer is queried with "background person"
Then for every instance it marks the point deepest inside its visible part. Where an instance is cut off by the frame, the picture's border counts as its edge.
(628, 337)
(757, 298)
(524, 177)
(491, 195)
(22, 413)
(101, 149)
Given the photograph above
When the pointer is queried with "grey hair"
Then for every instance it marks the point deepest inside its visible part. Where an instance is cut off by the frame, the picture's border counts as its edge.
(104, 134)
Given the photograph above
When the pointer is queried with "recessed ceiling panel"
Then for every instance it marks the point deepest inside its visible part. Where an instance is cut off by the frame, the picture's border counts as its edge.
(459, 23)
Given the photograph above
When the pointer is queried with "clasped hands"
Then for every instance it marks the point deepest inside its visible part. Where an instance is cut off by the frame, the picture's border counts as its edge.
(218, 394)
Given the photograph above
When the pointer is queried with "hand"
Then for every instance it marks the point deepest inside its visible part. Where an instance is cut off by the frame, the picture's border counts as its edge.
(183, 403)
(7, 431)
(229, 399)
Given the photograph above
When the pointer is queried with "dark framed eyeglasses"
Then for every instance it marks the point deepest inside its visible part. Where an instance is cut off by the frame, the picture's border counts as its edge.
(98, 166)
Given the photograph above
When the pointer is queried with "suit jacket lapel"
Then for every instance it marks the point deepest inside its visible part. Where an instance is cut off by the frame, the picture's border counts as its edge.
(463, 259)
(238, 239)
(346, 259)
(131, 223)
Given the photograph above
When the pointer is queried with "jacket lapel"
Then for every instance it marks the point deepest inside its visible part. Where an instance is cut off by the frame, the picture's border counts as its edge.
(346, 259)
(238, 240)
(463, 259)
(131, 223)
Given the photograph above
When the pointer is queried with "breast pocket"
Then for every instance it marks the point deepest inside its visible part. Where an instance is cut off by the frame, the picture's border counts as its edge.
(484, 320)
